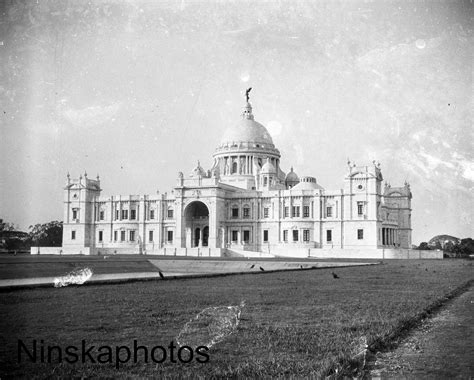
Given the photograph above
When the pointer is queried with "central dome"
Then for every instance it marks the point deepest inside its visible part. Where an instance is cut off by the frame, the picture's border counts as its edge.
(247, 130)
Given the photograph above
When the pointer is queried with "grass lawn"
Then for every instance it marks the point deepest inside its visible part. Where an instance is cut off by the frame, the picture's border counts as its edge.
(294, 323)
(51, 266)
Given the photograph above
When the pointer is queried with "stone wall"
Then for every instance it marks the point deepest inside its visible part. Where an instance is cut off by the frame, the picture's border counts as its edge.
(60, 251)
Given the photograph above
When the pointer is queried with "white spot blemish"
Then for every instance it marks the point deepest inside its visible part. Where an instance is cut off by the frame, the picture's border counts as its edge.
(76, 277)
(210, 326)
(420, 44)
(245, 77)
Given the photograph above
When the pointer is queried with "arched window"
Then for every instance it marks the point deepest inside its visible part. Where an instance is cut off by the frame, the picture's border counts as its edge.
(234, 167)
(246, 211)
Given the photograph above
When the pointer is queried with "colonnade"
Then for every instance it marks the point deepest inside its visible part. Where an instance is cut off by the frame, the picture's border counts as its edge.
(242, 164)
(389, 236)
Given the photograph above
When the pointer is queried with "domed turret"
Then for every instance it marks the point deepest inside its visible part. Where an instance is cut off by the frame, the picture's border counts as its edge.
(268, 168)
(292, 179)
(198, 171)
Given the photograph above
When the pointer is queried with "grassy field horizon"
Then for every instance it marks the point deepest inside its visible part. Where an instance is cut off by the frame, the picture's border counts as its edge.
(300, 323)
(15, 267)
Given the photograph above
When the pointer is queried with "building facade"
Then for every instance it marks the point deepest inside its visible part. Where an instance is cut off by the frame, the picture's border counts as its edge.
(244, 204)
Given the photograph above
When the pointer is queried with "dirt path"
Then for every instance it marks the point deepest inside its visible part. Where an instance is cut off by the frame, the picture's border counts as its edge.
(441, 348)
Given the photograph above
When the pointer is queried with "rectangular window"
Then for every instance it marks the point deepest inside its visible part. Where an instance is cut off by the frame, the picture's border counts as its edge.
(306, 211)
(266, 212)
(360, 234)
(101, 215)
(124, 214)
(152, 214)
(246, 236)
(74, 214)
(329, 211)
(117, 215)
(234, 236)
(170, 236)
(296, 211)
(285, 235)
(295, 235)
(287, 212)
(235, 212)
(170, 213)
(122, 235)
(246, 212)
(73, 235)
(360, 208)
(101, 235)
(133, 214)
(306, 235)
(329, 236)
(115, 235)
(131, 235)
(150, 236)
(265, 236)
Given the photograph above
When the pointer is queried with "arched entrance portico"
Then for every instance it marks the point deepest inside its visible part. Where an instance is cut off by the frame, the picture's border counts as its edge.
(196, 224)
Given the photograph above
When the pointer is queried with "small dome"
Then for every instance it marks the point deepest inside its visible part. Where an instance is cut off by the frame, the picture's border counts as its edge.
(198, 171)
(292, 176)
(307, 186)
(268, 167)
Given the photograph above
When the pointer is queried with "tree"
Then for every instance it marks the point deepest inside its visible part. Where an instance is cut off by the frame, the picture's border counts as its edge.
(465, 247)
(449, 247)
(424, 246)
(47, 234)
(5, 226)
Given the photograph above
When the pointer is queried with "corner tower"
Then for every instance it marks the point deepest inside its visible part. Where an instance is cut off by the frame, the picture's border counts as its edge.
(79, 198)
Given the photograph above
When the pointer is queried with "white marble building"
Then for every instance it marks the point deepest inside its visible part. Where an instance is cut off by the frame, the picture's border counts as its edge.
(245, 204)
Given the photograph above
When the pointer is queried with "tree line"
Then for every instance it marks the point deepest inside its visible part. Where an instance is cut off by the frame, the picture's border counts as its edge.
(463, 248)
(41, 234)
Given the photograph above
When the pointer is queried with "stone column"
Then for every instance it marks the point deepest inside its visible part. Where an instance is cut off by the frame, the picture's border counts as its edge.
(223, 238)
(189, 237)
(180, 233)
(142, 220)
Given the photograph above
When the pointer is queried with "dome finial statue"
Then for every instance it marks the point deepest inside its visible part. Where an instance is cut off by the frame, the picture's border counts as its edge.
(247, 93)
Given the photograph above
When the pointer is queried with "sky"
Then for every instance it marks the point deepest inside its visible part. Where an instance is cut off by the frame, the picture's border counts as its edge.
(136, 91)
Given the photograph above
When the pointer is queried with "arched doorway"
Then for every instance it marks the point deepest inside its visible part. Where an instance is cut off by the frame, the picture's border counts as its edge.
(196, 224)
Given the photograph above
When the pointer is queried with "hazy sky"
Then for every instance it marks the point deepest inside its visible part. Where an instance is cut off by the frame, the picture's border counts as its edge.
(139, 90)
